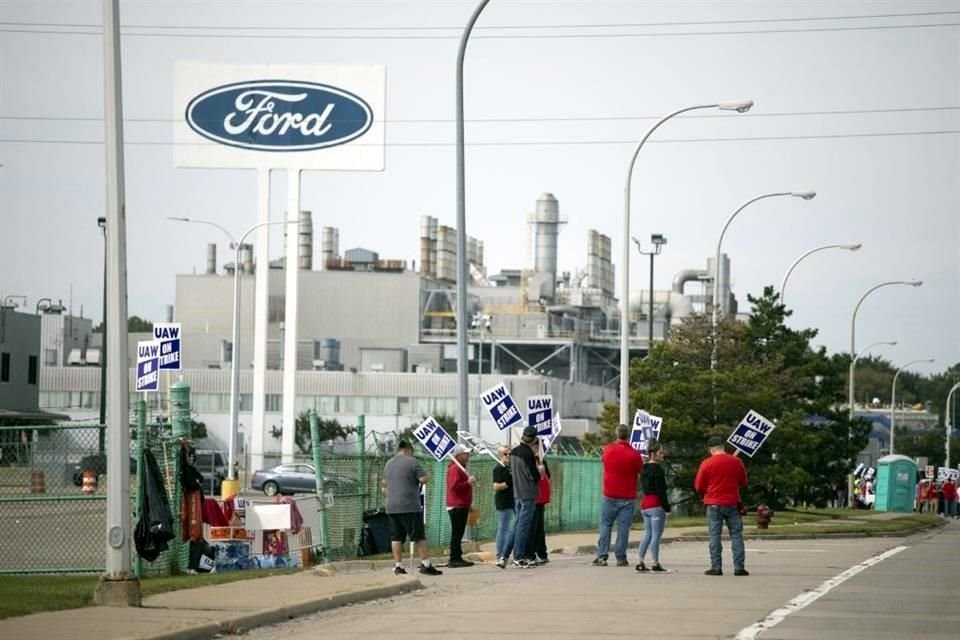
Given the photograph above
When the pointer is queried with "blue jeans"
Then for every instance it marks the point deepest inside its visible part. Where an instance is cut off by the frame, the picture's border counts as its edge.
(654, 520)
(504, 533)
(619, 511)
(521, 530)
(716, 516)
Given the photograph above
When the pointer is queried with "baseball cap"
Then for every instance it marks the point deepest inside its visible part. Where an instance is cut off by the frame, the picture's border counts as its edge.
(715, 441)
(460, 448)
(529, 433)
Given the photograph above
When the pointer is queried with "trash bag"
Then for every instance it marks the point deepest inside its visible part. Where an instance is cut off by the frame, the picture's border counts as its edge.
(375, 535)
(155, 527)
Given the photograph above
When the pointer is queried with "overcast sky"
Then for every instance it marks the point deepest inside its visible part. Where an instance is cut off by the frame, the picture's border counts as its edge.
(864, 111)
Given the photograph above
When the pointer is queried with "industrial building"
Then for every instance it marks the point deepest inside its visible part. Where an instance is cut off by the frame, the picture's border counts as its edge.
(378, 337)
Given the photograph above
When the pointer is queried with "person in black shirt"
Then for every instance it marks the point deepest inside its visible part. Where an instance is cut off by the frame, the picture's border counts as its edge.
(503, 500)
(655, 507)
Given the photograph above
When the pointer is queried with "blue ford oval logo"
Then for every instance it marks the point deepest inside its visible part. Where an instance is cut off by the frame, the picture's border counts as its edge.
(279, 115)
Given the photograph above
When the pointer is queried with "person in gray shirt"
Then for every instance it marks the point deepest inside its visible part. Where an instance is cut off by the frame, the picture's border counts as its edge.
(403, 476)
(526, 488)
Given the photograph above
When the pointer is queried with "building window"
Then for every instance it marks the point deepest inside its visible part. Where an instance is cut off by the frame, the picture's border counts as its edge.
(274, 403)
(4, 367)
(32, 370)
(50, 357)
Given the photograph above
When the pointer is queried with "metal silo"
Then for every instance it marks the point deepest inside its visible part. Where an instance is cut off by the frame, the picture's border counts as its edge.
(546, 223)
(329, 245)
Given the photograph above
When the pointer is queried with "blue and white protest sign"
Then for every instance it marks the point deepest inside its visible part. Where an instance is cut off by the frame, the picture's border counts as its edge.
(432, 436)
(943, 474)
(547, 441)
(168, 335)
(645, 428)
(148, 365)
(752, 432)
(501, 406)
(540, 414)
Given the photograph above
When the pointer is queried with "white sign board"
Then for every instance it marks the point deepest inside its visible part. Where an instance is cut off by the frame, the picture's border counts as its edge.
(547, 441)
(279, 116)
(501, 406)
(645, 428)
(148, 366)
(928, 472)
(540, 414)
(434, 438)
(752, 432)
(942, 474)
(168, 335)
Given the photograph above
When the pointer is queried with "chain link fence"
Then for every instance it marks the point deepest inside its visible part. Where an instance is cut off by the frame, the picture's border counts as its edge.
(54, 522)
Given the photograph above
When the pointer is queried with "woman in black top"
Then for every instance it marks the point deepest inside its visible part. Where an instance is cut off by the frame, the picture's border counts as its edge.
(655, 507)
(503, 500)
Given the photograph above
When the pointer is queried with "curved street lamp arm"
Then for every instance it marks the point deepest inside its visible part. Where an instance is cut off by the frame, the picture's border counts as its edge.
(206, 222)
(786, 276)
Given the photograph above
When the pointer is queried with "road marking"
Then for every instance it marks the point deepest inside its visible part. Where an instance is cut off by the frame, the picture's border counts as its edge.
(808, 598)
(777, 550)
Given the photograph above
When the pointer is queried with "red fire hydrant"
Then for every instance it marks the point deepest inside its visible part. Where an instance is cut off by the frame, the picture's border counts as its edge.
(764, 515)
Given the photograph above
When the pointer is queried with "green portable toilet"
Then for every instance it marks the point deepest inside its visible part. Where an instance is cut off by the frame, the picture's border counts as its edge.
(896, 484)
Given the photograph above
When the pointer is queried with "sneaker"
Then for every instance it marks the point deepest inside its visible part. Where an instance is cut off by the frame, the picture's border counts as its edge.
(459, 563)
(741, 572)
(657, 567)
(399, 571)
(430, 571)
(501, 563)
(623, 562)
(713, 572)
(641, 568)
(536, 560)
(544, 560)
(599, 562)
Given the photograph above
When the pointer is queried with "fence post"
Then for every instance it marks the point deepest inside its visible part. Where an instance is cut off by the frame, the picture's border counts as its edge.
(138, 501)
(362, 436)
(321, 499)
(179, 430)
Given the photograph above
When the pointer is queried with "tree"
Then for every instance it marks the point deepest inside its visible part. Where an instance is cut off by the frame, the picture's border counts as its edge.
(760, 365)
(329, 430)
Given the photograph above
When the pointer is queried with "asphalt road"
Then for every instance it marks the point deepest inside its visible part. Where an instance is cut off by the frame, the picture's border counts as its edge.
(906, 595)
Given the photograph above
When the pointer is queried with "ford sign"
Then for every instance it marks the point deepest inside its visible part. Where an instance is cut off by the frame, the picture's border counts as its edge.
(279, 115)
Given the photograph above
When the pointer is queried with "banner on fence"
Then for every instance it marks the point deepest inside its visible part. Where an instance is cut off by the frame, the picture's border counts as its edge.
(501, 406)
(751, 433)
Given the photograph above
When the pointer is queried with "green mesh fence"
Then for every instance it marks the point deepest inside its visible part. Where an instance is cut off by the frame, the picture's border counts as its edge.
(49, 524)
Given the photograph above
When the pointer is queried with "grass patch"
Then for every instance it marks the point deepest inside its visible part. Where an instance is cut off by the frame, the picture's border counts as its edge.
(864, 526)
(23, 595)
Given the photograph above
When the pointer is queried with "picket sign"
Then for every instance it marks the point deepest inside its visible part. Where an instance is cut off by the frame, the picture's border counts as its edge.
(547, 441)
(751, 433)
(540, 414)
(478, 445)
(645, 428)
(435, 439)
(501, 406)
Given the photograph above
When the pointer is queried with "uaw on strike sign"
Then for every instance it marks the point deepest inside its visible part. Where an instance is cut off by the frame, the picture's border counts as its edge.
(752, 432)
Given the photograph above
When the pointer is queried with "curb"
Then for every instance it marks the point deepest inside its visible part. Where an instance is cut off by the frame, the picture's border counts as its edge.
(287, 612)
(354, 566)
(585, 549)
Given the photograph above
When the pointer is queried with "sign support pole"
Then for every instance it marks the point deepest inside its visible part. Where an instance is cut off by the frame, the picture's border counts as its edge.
(292, 293)
(260, 320)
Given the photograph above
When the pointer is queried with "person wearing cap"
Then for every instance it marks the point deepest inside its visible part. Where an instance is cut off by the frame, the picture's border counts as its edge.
(526, 488)
(719, 480)
(459, 498)
(537, 543)
(621, 466)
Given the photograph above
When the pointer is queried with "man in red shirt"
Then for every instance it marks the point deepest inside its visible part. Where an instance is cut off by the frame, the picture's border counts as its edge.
(719, 480)
(459, 499)
(621, 466)
(949, 499)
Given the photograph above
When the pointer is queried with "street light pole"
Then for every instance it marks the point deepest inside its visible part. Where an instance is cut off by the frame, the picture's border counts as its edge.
(717, 306)
(947, 421)
(657, 240)
(463, 388)
(853, 329)
(740, 106)
(893, 399)
(101, 435)
(481, 322)
(783, 284)
(235, 345)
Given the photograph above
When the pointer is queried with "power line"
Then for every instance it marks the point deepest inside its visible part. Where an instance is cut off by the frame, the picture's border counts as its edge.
(531, 143)
(625, 25)
(545, 36)
(611, 118)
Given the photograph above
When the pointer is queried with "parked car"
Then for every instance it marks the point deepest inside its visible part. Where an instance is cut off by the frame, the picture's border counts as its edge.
(98, 464)
(212, 465)
(287, 479)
